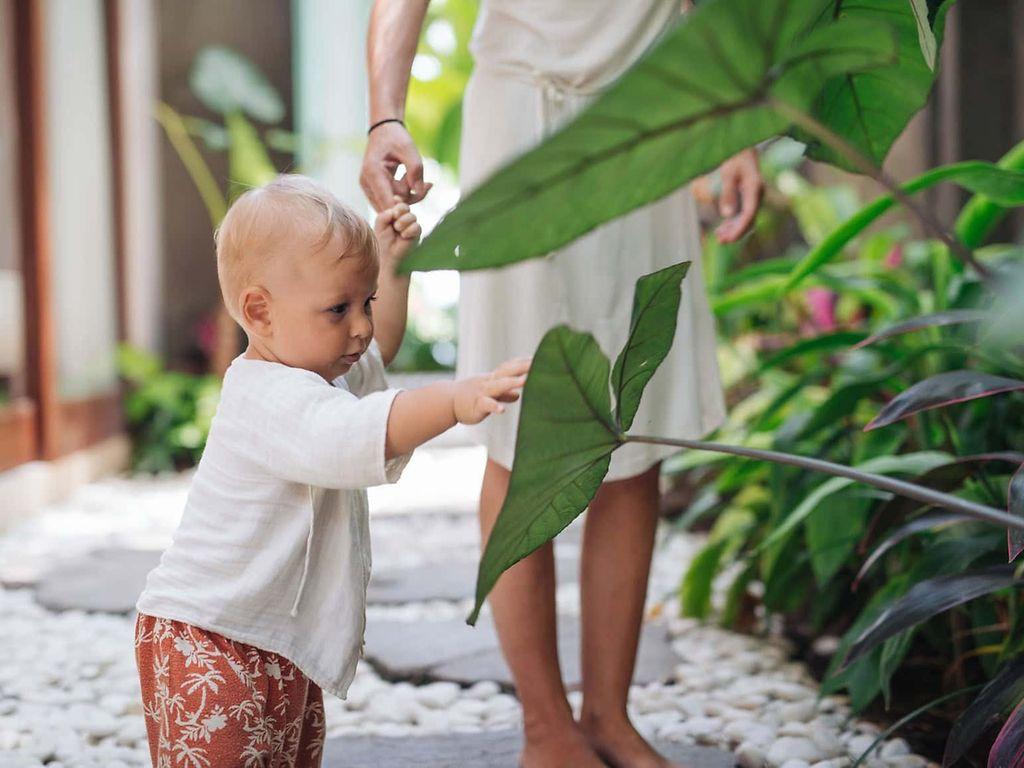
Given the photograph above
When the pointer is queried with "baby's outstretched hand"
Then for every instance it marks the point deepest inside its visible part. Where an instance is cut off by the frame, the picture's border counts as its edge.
(397, 231)
(478, 397)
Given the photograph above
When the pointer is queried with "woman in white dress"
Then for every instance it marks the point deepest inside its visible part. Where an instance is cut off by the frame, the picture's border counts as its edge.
(537, 63)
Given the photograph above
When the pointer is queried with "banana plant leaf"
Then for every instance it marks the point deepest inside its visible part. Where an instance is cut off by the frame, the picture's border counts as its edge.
(945, 477)
(926, 599)
(933, 320)
(871, 109)
(248, 161)
(1003, 187)
(1008, 748)
(940, 390)
(702, 94)
(826, 342)
(1015, 503)
(1002, 692)
(929, 522)
(908, 463)
(225, 81)
(979, 217)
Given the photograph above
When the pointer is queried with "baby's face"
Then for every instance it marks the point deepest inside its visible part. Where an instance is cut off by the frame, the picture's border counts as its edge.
(322, 311)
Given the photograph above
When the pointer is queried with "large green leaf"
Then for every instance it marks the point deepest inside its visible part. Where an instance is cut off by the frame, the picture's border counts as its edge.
(704, 93)
(563, 447)
(913, 463)
(248, 161)
(832, 533)
(1001, 693)
(925, 35)
(940, 390)
(1004, 187)
(870, 109)
(1015, 504)
(929, 598)
(225, 81)
(981, 214)
(695, 590)
(651, 330)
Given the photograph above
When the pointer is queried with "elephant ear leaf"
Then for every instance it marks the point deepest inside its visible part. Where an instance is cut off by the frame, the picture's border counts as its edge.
(651, 330)
(703, 92)
(563, 447)
(567, 431)
(894, 92)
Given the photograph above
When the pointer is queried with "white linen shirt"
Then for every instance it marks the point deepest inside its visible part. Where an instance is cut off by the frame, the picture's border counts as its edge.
(273, 547)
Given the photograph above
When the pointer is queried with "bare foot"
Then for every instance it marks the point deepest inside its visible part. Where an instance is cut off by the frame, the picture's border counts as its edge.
(567, 748)
(620, 745)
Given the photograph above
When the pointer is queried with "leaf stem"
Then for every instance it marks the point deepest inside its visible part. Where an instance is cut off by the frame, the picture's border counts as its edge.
(198, 170)
(899, 487)
(867, 167)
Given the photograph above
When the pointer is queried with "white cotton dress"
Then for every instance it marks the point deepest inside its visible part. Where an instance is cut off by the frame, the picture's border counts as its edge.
(537, 63)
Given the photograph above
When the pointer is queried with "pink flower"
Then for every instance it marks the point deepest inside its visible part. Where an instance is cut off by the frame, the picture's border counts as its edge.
(894, 258)
(822, 303)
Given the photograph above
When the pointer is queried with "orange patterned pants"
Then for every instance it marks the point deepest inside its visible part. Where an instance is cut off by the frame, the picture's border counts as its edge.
(211, 702)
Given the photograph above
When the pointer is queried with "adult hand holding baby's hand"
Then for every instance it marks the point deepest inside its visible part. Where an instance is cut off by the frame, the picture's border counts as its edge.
(478, 397)
(397, 231)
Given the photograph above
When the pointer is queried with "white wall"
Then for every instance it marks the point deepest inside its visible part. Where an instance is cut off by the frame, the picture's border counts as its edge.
(330, 91)
(140, 137)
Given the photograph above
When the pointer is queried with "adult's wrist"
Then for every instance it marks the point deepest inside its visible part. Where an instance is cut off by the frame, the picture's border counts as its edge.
(384, 121)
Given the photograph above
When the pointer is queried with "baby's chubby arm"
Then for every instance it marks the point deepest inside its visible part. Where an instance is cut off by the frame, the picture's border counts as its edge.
(397, 231)
(425, 412)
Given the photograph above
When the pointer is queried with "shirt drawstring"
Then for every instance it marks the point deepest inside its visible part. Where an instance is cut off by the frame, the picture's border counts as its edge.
(309, 547)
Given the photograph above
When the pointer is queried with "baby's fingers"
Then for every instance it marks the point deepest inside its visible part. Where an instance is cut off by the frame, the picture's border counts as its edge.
(489, 405)
(504, 384)
(412, 232)
(517, 366)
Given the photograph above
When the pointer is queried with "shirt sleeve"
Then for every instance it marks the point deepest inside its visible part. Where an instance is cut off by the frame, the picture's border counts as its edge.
(324, 436)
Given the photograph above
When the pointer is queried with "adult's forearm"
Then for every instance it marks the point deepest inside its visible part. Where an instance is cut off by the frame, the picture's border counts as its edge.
(418, 415)
(390, 47)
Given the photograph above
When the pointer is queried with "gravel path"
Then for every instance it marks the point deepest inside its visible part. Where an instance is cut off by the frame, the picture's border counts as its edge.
(69, 693)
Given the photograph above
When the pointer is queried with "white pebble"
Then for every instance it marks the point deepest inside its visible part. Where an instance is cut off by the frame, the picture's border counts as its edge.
(790, 747)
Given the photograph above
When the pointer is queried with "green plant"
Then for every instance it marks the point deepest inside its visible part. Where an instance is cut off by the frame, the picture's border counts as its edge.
(168, 412)
(843, 78)
(229, 85)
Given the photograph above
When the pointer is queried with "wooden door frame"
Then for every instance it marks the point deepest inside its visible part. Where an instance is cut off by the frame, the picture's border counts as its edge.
(41, 425)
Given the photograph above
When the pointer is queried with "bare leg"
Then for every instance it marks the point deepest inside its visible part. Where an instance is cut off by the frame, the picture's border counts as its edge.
(618, 542)
(523, 604)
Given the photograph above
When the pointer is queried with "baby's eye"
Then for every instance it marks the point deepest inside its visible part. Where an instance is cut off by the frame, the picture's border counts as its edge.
(339, 309)
(370, 301)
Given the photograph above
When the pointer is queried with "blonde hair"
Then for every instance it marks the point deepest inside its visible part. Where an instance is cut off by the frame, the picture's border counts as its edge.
(270, 221)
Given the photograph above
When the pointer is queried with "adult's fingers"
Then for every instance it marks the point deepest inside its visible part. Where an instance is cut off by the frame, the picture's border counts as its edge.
(414, 173)
(727, 197)
(750, 200)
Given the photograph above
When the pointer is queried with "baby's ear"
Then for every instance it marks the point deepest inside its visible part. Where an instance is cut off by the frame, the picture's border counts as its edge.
(255, 310)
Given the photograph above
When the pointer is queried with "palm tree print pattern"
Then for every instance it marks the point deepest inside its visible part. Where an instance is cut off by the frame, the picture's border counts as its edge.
(212, 702)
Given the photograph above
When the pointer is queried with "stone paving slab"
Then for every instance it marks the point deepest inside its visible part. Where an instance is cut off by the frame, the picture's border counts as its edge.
(111, 580)
(105, 580)
(453, 582)
(453, 650)
(489, 749)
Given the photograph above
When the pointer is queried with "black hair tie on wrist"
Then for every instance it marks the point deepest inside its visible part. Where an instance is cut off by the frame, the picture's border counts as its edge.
(385, 120)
